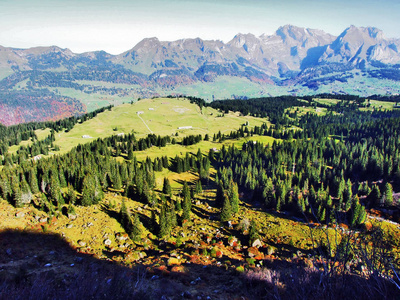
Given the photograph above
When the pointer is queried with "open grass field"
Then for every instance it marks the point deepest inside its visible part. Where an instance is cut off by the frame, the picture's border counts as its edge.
(326, 101)
(301, 111)
(380, 105)
(41, 135)
(160, 116)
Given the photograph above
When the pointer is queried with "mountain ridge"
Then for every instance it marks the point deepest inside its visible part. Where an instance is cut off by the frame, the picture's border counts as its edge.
(293, 60)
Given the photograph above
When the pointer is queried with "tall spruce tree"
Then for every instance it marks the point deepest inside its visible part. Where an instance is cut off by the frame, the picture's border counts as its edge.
(136, 231)
(187, 202)
(166, 186)
(226, 211)
(387, 195)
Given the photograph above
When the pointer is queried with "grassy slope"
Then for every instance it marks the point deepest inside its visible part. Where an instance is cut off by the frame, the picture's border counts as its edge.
(167, 116)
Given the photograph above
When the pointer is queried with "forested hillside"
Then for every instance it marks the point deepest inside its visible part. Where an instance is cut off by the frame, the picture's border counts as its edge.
(315, 185)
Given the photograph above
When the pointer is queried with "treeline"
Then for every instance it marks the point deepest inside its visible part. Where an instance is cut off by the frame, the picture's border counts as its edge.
(272, 107)
(13, 135)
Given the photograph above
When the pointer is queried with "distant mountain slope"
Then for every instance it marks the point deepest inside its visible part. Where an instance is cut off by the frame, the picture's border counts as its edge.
(293, 60)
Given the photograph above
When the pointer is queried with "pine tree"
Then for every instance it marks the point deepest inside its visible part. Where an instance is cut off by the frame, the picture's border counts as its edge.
(26, 194)
(268, 194)
(387, 197)
(163, 225)
(130, 152)
(55, 190)
(33, 182)
(124, 215)
(233, 195)
(136, 231)
(359, 214)
(187, 202)
(166, 187)
(117, 182)
(153, 223)
(226, 211)
(198, 188)
(253, 232)
(91, 190)
(178, 204)
(219, 198)
(374, 197)
(347, 195)
(17, 196)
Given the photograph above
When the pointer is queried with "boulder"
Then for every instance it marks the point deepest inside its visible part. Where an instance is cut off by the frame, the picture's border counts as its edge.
(121, 236)
(253, 252)
(20, 214)
(178, 269)
(107, 242)
(232, 241)
(81, 243)
(173, 261)
(43, 220)
(257, 243)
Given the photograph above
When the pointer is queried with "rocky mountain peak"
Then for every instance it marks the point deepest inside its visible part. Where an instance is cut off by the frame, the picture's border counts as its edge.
(245, 41)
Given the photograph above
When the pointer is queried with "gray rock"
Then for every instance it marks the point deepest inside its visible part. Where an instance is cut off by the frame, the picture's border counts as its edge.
(257, 243)
(20, 214)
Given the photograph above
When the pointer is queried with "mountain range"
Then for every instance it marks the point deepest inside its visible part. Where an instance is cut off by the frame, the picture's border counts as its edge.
(293, 60)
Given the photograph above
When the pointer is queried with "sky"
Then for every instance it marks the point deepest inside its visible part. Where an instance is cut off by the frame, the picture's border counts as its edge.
(117, 26)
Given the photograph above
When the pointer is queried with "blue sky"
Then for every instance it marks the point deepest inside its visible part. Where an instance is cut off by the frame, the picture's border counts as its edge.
(117, 26)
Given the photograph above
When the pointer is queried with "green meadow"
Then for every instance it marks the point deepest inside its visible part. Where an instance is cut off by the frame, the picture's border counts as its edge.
(161, 116)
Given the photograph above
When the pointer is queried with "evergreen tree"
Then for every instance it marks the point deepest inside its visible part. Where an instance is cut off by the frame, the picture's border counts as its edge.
(17, 196)
(91, 191)
(198, 188)
(163, 221)
(26, 194)
(387, 197)
(136, 231)
(166, 187)
(233, 195)
(125, 217)
(153, 223)
(253, 232)
(55, 190)
(374, 198)
(268, 194)
(347, 196)
(187, 202)
(226, 211)
(4, 187)
(130, 152)
(33, 182)
(117, 182)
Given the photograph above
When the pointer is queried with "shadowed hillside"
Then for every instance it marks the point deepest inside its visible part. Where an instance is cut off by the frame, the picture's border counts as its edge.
(44, 266)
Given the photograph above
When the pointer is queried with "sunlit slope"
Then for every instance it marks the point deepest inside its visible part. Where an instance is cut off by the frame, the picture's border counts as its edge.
(161, 116)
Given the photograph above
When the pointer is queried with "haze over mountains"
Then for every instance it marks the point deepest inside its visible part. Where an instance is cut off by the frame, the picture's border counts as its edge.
(294, 60)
